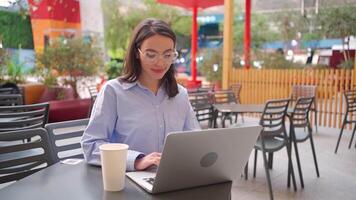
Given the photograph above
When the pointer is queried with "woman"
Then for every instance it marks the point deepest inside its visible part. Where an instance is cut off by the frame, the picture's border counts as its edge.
(145, 104)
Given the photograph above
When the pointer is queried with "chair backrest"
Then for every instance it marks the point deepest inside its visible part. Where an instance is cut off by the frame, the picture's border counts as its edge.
(93, 90)
(236, 88)
(273, 117)
(202, 105)
(18, 159)
(300, 115)
(224, 96)
(350, 97)
(6, 91)
(23, 117)
(65, 138)
(303, 91)
(11, 99)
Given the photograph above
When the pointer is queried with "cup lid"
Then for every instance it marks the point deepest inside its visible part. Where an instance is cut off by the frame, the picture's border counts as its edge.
(113, 146)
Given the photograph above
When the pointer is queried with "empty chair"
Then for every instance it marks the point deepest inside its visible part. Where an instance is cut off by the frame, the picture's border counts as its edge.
(236, 88)
(7, 91)
(93, 91)
(202, 106)
(306, 91)
(23, 116)
(65, 138)
(10, 99)
(350, 97)
(223, 97)
(300, 130)
(17, 159)
(273, 136)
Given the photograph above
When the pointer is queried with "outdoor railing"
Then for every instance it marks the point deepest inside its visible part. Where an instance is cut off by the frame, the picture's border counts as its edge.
(260, 85)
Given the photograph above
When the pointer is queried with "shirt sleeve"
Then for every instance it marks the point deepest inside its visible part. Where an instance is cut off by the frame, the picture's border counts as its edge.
(101, 127)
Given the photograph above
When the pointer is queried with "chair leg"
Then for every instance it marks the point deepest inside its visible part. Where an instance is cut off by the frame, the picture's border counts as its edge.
(290, 165)
(270, 160)
(246, 171)
(298, 164)
(316, 120)
(255, 163)
(267, 175)
(338, 140)
(352, 137)
(223, 118)
(314, 155)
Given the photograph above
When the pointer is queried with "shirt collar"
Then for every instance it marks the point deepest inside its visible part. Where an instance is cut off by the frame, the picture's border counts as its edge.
(127, 85)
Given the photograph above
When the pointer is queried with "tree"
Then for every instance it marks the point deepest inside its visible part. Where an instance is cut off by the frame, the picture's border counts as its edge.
(261, 32)
(119, 24)
(338, 22)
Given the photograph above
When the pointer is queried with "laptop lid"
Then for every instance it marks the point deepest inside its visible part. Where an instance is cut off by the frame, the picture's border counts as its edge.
(196, 158)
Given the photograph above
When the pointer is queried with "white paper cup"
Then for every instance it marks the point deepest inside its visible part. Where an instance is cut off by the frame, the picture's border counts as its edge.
(113, 165)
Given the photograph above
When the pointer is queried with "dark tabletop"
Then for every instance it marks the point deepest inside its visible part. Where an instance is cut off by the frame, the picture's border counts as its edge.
(82, 181)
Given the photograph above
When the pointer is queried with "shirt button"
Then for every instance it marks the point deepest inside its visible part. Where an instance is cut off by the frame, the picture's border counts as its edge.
(161, 126)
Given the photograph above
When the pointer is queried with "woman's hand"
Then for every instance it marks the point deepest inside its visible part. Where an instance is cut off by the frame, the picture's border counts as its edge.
(147, 161)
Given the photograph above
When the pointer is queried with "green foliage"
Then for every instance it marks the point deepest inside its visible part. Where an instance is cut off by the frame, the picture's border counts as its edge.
(275, 61)
(119, 24)
(15, 30)
(72, 59)
(212, 65)
(114, 69)
(3, 60)
(261, 32)
(348, 64)
(338, 22)
(15, 72)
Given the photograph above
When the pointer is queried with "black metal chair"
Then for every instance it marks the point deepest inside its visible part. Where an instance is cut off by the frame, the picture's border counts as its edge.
(273, 137)
(17, 159)
(202, 106)
(65, 138)
(236, 88)
(301, 131)
(350, 97)
(307, 91)
(23, 117)
(93, 91)
(223, 97)
(11, 99)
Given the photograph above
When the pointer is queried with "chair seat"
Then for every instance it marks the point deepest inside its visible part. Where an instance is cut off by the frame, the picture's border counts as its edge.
(301, 135)
(271, 144)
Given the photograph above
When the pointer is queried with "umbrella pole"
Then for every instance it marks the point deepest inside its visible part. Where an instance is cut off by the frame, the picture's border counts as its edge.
(247, 33)
(194, 45)
(194, 83)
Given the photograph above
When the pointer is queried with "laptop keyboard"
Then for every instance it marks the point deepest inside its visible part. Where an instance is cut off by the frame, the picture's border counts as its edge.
(149, 180)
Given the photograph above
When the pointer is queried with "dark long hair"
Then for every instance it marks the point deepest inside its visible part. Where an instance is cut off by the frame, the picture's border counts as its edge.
(132, 66)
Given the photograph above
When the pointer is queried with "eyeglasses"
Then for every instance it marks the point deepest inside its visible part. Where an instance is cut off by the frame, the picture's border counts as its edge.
(152, 56)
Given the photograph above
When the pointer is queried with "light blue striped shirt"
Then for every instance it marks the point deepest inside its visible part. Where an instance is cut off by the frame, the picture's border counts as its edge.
(130, 113)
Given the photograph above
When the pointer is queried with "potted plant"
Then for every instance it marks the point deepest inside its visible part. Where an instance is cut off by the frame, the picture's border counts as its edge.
(67, 61)
(212, 67)
(70, 59)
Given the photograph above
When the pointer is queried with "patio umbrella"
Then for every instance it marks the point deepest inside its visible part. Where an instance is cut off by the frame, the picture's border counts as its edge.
(193, 5)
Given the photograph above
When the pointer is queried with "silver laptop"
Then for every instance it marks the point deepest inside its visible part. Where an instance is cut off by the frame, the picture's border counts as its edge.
(196, 158)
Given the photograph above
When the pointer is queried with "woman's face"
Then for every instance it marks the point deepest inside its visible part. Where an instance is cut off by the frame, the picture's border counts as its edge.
(156, 55)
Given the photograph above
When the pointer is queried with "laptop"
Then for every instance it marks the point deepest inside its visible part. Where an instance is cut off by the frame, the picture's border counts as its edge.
(197, 158)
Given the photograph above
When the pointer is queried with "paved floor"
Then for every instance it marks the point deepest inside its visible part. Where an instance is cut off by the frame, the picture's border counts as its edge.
(337, 172)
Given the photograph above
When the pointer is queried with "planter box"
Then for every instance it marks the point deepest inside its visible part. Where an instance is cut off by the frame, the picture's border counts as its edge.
(64, 110)
(32, 92)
